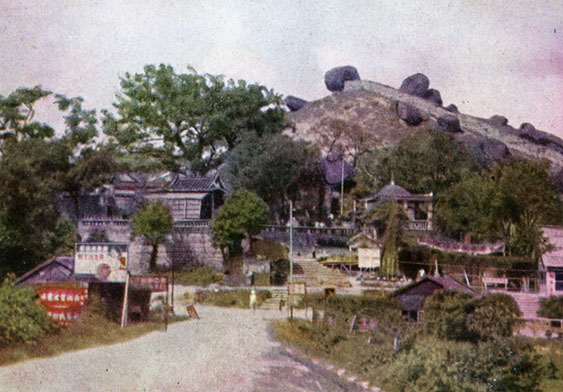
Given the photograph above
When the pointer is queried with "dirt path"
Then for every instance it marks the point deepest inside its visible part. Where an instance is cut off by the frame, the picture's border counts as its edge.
(226, 350)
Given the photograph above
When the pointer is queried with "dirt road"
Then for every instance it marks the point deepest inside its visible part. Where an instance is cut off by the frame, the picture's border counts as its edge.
(226, 350)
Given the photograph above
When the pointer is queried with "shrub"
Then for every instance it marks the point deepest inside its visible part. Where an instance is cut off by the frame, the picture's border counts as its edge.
(551, 307)
(198, 276)
(494, 315)
(22, 318)
(445, 314)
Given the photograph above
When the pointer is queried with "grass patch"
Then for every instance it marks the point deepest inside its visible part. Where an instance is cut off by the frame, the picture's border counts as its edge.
(239, 298)
(270, 250)
(198, 276)
(91, 330)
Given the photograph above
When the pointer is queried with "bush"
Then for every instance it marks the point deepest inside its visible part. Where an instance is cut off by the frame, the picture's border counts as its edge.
(456, 316)
(233, 298)
(22, 318)
(198, 276)
(435, 365)
(551, 307)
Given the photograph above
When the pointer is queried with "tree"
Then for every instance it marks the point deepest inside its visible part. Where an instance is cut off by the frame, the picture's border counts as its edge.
(391, 218)
(31, 229)
(153, 222)
(428, 161)
(242, 215)
(278, 169)
(193, 116)
(22, 318)
(17, 115)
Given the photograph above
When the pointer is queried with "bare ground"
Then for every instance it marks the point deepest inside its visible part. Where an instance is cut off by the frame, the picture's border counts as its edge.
(226, 350)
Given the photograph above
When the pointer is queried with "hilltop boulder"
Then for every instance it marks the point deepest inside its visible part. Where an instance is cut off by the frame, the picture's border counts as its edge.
(416, 84)
(409, 114)
(498, 120)
(449, 124)
(294, 103)
(452, 108)
(433, 96)
(335, 77)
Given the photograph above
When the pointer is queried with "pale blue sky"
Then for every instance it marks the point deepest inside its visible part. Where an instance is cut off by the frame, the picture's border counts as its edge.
(487, 57)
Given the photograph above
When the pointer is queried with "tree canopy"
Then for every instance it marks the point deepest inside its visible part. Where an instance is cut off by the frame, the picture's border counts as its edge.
(193, 117)
(242, 215)
(278, 169)
(153, 222)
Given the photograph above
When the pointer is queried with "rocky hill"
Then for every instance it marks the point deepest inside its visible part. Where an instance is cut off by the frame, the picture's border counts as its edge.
(364, 114)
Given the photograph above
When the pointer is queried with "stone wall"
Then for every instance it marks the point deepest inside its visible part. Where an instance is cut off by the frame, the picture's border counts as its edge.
(188, 245)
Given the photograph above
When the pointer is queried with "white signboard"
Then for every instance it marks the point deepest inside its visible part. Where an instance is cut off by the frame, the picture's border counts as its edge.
(105, 261)
(369, 257)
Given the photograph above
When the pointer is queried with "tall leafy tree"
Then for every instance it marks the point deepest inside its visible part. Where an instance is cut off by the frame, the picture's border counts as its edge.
(278, 169)
(17, 115)
(242, 215)
(153, 222)
(390, 217)
(196, 117)
(31, 229)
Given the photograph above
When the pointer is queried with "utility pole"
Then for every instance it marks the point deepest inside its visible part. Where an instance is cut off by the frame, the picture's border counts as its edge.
(290, 258)
(342, 189)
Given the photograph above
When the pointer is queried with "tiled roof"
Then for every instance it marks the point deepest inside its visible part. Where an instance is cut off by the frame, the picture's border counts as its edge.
(446, 282)
(194, 184)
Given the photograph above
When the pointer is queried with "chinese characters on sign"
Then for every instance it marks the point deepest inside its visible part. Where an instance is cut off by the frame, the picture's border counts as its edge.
(153, 283)
(64, 304)
(106, 261)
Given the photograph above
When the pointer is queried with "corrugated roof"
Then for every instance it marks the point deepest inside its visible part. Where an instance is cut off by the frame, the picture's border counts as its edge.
(66, 262)
(553, 258)
(193, 184)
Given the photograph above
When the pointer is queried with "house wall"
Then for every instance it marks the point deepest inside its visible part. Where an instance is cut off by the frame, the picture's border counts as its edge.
(186, 245)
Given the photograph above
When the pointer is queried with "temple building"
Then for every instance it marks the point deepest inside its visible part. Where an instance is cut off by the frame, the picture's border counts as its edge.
(418, 207)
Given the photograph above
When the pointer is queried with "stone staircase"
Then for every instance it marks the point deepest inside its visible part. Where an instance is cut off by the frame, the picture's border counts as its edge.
(529, 304)
(279, 293)
(314, 274)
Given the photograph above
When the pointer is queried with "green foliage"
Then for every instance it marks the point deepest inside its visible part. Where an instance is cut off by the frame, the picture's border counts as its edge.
(278, 169)
(30, 226)
(507, 202)
(17, 113)
(456, 316)
(391, 217)
(428, 161)
(153, 222)
(22, 318)
(243, 214)
(198, 276)
(435, 365)
(445, 314)
(551, 307)
(193, 114)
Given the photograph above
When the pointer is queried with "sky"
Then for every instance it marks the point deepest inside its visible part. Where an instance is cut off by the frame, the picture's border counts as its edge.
(486, 57)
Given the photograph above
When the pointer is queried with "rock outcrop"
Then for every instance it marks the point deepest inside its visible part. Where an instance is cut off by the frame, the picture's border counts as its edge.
(335, 77)
(294, 103)
(409, 114)
(434, 96)
(449, 123)
(416, 84)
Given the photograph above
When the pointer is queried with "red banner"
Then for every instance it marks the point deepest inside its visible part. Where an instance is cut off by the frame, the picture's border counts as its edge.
(152, 283)
(64, 304)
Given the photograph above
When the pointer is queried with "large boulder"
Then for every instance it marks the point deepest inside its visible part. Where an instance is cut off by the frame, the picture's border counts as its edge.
(494, 150)
(452, 108)
(409, 114)
(294, 103)
(449, 124)
(529, 132)
(335, 77)
(416, 84)
(433, 96)
(498, 121)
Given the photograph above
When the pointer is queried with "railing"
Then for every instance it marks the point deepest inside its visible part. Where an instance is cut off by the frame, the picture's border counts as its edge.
(417, 225)
(104, 222)
(307, 236)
